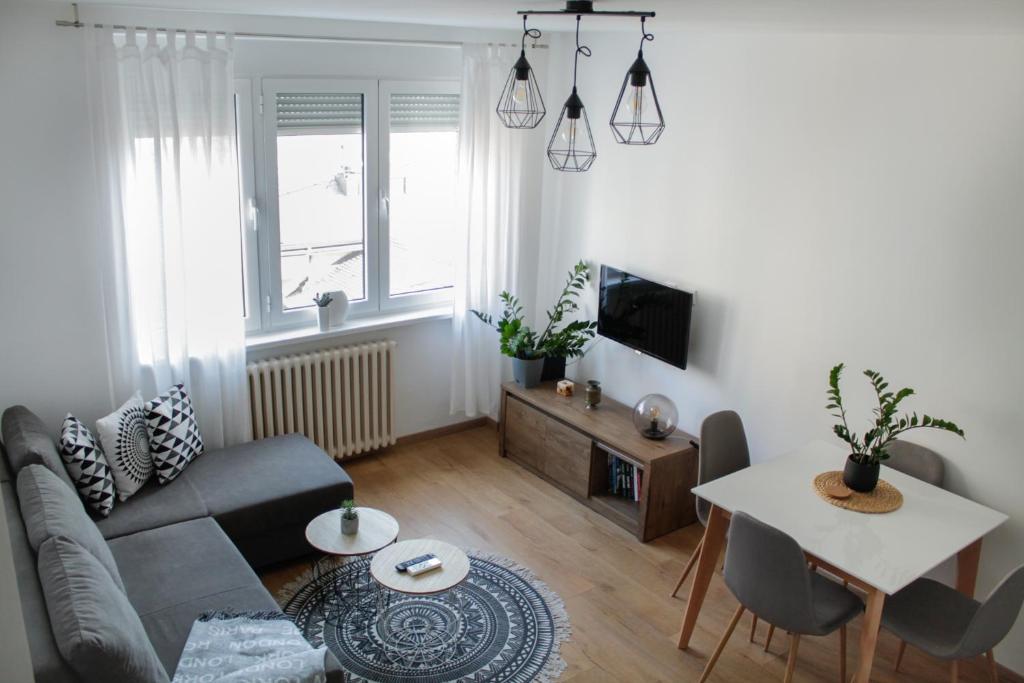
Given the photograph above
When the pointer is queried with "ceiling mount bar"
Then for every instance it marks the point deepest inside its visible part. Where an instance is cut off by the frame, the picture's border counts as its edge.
(586, 8)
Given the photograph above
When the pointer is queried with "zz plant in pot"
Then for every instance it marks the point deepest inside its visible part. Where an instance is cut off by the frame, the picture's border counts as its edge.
(349, 518)
(868, 450)
(558, 341)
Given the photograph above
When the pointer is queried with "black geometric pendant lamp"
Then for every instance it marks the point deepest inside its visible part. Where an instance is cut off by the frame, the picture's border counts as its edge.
(521, 104)
(571, 147)
(637, 119)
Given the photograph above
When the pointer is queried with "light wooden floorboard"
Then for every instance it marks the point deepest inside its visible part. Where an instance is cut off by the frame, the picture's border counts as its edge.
(457, 489)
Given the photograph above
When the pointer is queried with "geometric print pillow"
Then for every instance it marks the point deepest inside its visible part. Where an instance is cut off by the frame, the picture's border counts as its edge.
(174, 438)
(126, 445)
(87, 465)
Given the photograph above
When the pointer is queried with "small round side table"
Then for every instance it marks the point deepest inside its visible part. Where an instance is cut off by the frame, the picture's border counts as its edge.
(377, 529)
(409, 635)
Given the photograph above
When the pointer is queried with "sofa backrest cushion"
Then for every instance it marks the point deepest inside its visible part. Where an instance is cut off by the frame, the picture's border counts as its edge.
(28, 443)
(98, 632)
(5, 469)
(49, 508)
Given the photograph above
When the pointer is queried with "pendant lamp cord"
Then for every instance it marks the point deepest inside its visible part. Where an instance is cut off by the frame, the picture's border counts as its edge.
(645, 36)
(529, 32)
(580, 50)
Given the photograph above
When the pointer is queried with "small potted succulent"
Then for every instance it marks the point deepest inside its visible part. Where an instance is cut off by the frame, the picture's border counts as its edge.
(867, 451)
(323, 314)
(349, 518)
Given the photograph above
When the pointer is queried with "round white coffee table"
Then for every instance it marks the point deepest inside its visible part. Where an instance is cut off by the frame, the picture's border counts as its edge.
(410, 635)
(377, 529)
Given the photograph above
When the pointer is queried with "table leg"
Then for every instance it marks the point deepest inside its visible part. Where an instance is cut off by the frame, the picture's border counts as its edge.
(967, 561)
(711, 547)
(869, 634)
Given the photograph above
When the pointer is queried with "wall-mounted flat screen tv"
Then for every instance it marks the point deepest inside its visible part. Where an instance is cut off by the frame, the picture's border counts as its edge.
(643, 315)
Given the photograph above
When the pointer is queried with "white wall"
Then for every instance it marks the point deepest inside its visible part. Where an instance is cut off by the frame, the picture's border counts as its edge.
(830, 198)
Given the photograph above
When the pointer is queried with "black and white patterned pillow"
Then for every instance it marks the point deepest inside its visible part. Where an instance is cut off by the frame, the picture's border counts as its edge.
(86, 465)
(174, 438)
(126, 445)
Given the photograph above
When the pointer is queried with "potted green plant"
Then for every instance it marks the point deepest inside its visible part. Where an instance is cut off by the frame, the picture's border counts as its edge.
(869, 449)
(528, 350)
(349, 518)
(323, 314)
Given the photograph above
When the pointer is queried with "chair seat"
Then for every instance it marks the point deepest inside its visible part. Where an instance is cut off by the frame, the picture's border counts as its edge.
(833, 605)
(931, 616)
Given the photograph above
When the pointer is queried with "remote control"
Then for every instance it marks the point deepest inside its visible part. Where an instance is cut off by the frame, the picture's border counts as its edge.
(402, 566)
(424, 566)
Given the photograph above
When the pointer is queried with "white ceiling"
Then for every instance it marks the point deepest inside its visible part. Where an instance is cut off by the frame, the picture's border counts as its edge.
(841, 15)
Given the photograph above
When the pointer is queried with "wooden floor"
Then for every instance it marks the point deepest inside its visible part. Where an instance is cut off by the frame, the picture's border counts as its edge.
(457, 489)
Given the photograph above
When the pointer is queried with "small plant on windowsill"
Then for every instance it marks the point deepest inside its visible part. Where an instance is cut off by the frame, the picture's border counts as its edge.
(867, 451)
(323, 314)
(528, 349)
(349, 518)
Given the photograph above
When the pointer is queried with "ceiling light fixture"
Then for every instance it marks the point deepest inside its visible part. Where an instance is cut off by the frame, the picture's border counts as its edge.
(637, 119)
(521, 104)
(571, 147)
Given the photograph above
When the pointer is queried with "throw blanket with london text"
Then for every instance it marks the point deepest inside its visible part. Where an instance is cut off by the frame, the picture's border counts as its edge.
(251, 647)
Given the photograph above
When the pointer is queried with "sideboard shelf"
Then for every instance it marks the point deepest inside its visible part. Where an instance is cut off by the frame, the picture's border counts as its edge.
(562, 441)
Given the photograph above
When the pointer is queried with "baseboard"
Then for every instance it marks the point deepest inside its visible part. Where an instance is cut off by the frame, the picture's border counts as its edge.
(446, 430)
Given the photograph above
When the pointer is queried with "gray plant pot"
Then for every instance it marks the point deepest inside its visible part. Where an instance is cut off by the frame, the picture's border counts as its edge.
(527, 372)
(350, 527)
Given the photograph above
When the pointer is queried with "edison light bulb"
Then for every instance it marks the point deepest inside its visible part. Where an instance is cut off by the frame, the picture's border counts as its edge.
(569, 133)
(635, 101)
(519, 92)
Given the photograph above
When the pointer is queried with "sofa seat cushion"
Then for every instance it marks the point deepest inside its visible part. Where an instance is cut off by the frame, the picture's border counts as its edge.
(175, 573)
(49, 508)
(97, 631)
(258, 487)
(153, 506)
(28, 443)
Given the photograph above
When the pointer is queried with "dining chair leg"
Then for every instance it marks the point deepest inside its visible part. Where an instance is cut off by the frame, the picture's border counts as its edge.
(993, 672)
(753, 626)
(899, 655)
(954, 671)
(842, 654)
(768, 640)
(721, 644)
(794, 643)
(689, 565)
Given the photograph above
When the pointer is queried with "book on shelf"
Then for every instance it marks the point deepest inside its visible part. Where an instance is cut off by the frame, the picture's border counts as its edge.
(625, 479)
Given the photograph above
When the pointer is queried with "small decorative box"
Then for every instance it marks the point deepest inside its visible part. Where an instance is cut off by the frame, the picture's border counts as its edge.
(564, 387)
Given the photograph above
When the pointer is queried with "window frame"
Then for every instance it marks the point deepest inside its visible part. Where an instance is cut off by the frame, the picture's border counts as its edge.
(408, 301)
(248, 214)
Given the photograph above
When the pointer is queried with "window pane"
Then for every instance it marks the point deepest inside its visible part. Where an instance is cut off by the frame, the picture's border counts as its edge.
(320, 200)
(423, 156)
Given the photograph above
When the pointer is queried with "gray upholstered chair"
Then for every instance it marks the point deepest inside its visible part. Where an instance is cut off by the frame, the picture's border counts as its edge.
(917, 461)
(767, 572)
(723, 450)
(949, 625)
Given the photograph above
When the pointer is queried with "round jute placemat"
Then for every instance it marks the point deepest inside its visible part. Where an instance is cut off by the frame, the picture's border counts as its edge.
(885, 497)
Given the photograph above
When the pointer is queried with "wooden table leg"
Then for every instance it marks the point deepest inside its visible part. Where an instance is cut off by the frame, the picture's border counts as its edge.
(711, 547)
(869, 635)
(967, 561)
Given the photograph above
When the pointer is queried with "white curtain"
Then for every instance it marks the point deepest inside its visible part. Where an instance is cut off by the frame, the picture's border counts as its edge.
(489, 205)
(163, 114)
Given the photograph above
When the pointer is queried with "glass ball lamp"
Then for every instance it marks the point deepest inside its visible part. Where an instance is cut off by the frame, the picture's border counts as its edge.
(655, 416)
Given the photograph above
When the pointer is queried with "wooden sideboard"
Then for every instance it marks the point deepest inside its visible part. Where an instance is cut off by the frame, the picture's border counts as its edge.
(562, 441)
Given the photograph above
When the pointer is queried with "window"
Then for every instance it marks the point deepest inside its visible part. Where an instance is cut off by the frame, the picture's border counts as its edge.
(356, 182)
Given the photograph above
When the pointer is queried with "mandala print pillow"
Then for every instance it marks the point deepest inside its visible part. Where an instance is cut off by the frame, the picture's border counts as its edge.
(174, 438)
(126, 445)
(86, 465)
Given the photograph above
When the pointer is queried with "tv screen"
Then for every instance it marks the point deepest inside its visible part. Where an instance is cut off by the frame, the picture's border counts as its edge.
(644, 315)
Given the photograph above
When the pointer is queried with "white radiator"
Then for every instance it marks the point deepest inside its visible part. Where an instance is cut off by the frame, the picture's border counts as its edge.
(342, 399)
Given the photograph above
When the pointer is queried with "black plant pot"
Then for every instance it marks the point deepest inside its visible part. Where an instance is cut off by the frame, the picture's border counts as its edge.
(554, 368)
(860, 477)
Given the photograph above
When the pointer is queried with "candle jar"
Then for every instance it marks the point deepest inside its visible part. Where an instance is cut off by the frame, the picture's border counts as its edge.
(592, 395)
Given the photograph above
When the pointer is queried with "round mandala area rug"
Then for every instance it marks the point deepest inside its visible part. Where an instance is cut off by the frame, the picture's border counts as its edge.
(502, 625)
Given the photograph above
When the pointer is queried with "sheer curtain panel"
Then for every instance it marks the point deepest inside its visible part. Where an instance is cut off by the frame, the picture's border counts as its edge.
(164, 132)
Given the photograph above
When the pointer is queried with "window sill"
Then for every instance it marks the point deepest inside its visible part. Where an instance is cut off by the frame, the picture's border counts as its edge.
(273, 340)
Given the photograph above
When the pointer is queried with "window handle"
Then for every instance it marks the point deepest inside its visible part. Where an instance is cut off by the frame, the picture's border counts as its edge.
(254, 214)
(385, 203)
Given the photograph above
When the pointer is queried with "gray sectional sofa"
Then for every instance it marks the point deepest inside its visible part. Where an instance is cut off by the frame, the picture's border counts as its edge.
(128, 587)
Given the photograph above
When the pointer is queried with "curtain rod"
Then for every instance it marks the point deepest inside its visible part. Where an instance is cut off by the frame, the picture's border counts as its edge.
(77, 23)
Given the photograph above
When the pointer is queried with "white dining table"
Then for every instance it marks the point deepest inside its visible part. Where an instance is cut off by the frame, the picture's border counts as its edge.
(877, 553)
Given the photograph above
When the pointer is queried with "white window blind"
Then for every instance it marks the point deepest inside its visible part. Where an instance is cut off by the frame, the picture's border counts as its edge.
(435, 112)
(298, 111)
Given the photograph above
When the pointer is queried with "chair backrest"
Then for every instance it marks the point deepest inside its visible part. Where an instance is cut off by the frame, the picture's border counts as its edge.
(723, 450)
(917, 461)
(767, 572)
(995, 617)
